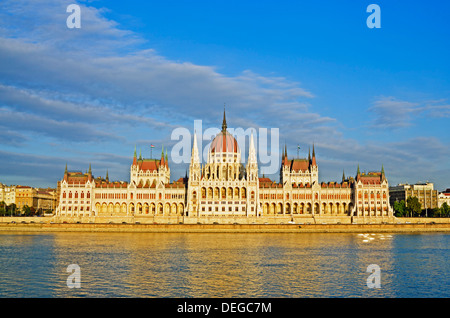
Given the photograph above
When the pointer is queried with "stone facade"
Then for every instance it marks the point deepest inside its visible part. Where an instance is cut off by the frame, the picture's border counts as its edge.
(224, 190)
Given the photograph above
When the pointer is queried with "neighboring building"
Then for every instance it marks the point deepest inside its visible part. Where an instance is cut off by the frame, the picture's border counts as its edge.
(428, 197)
(24, 196)
(2, 192)
(27, 196)
(44, 199)
(444, 197)
(8, 194)
(223, 188)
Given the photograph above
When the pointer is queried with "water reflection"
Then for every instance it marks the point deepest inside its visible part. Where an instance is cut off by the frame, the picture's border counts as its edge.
(223, 265)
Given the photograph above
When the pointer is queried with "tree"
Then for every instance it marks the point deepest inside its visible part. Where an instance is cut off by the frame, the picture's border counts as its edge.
(2, 208)
(445, 210)
(435, 213)
(413, 206)
(26, 210)
(399, 208)
(12, 209)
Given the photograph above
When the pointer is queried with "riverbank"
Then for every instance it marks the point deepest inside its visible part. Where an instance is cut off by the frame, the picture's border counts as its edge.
(224, 228)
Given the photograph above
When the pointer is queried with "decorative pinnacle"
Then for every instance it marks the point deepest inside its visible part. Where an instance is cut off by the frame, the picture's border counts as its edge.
(224, 122)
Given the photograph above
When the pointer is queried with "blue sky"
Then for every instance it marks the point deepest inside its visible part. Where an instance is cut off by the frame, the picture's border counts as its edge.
(136, 70)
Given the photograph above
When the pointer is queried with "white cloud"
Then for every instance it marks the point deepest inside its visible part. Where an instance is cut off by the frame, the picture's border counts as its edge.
(104, 85)
(393, 113)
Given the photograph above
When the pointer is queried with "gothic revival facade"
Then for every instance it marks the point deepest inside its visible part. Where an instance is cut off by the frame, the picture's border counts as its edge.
(224, 189)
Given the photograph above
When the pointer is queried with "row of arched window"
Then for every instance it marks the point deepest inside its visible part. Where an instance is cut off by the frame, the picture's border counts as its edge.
(224, 193)
(75, 195)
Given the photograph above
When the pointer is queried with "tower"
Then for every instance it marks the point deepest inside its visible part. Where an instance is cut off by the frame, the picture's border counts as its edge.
(252, 163)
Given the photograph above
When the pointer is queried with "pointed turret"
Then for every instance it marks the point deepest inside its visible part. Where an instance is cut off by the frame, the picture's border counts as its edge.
(140, 154)
(224, 122)
(358, 173)
(107, 177)
(314, 157)
(285, 160)
(166, 160)
(343, 175)
(252, 151)
(383, 176)
(65, 171)
(134, 157)
(195, 157)
(90, 170)
(162, 164)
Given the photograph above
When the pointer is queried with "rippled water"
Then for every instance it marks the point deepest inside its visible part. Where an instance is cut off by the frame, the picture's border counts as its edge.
(224, 265)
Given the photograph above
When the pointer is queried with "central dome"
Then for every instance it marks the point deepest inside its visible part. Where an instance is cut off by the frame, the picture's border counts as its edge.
(224, 142)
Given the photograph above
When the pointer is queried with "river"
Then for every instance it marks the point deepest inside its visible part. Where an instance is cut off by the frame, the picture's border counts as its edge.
(34, 265)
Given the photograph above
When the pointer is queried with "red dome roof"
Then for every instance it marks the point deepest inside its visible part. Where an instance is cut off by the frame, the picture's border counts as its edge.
(224, 142)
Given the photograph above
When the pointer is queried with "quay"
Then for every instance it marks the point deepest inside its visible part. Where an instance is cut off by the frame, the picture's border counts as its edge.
(49, 225)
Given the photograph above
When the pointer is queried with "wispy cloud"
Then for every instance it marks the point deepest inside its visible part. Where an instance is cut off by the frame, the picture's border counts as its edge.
(108, 88)
(85, 85)
(393, 113)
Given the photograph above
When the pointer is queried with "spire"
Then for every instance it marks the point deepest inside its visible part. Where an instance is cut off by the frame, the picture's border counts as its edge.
(65, 171)
(162, 163)
(134, 157)
(251, 151)
(195, 157)
(309, 154)
(90, 171)
(383, 177)
(285, 159)
(314, 157)
(358, 172)
(166, 160)
(140, 154)
(224, 122)
(107, 178)
(343, 175)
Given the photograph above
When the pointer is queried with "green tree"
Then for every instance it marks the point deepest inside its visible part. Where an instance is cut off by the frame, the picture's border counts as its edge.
(11, 209)
(2, 208)
(26, 210)
(445, 210)
(399, 208)
(435, 213)
(413, 206)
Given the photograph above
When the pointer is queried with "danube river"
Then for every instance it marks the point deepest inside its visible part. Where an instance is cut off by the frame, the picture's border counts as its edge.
(224, 265)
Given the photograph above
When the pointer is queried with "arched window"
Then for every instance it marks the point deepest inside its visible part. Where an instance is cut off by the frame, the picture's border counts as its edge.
(223, 193)
(203, 193)
(64, 194)
(70, 195)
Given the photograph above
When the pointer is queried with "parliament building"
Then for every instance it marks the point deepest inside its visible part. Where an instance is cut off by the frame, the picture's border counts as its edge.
(225, 191)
